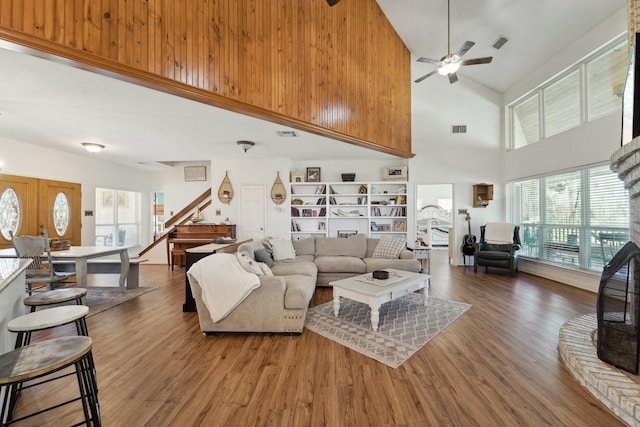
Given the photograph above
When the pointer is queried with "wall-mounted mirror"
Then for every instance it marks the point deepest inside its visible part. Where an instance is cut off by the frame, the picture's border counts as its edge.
(434, 215)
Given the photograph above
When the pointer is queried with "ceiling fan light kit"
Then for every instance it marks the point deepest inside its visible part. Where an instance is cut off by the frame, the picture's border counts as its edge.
(449, 64)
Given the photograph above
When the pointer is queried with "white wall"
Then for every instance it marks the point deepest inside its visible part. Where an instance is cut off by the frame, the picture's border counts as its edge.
(22, 159)
(460, 159)
(591, 143)
(253, 172)
(177, 192)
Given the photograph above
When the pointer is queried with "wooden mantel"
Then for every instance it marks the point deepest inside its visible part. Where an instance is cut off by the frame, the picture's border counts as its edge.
(340, 72)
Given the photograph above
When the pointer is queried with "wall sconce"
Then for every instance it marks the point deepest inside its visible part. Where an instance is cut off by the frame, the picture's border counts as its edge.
(245, 145)
(92, 147)
(278, 192)
(225, 191)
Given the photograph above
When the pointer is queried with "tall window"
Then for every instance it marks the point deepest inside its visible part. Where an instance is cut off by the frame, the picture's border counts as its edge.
(585, 91)
(562, 104)
(117, 217)
(525, 121)
(578, 218)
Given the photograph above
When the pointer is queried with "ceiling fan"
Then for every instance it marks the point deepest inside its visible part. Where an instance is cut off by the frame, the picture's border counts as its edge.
(332, 2)
(451, 62)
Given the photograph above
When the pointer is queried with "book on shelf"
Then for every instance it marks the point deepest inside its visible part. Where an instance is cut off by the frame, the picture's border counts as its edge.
(320, 189)
(295, 212)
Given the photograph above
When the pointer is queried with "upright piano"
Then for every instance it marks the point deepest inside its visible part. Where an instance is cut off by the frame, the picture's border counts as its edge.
(186, 236)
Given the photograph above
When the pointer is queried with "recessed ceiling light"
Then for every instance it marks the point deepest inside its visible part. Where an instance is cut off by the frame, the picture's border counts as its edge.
(92, 147)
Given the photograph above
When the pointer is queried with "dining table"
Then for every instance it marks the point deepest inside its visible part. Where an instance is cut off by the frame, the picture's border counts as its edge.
(81, 254)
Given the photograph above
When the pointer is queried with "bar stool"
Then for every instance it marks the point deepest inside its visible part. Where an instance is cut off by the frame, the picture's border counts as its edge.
(56, 296)
(36, 361)
(46, 319)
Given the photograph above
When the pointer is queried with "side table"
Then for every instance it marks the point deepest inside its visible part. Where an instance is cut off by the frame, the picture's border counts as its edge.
(421, 253)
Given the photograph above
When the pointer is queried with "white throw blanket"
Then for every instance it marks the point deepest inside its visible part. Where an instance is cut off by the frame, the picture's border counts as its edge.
(498, 232)
(224, 283)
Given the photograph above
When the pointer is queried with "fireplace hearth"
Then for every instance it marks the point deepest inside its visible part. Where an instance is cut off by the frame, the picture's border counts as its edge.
(618, 305)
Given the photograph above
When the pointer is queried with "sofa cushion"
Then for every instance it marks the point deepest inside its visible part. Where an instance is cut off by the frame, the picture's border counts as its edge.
(371, 246)
(266, 271)
(389, 248)
(306, 246)
(299, 291)
(262, 255)
(340, 264)
(353, 246)
(251, 247)
(494, 255)
(374, 264)
(282, 249)
(287, 268)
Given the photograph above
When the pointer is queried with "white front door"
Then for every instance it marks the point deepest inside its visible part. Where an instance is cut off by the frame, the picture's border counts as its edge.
(252, 212)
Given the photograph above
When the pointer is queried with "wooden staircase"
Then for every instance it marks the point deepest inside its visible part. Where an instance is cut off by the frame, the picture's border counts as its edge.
(201, 203)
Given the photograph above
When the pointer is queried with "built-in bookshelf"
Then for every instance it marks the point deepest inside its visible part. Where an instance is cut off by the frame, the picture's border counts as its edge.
(337, 209)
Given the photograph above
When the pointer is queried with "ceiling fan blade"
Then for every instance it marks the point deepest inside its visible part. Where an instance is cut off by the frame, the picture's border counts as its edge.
(464, 48)
(332, 2)
(428, 60)
(453, 77)
(485, 60)
(426, 75)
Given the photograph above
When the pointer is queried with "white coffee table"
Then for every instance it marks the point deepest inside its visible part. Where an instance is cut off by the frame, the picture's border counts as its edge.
(374, 292)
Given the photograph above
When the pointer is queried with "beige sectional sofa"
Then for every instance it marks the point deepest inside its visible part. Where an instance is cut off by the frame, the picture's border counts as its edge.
(281, 301)
(339, 258)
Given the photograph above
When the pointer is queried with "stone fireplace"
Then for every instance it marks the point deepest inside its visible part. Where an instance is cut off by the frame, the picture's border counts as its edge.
(617, 389)
(618, 338)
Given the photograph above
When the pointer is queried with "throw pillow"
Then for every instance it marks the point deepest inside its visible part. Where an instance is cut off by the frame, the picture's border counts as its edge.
(389, 248)
(282, 249)
(305, 246)
(262, 255)
(248, 264)
(266, 271)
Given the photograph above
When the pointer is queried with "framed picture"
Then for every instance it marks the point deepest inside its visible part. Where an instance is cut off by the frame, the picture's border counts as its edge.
(395, 174)
(321, 226)
(399, 226)
(347, 233)
(195, 173)
(374, 226)
(313, 174)
(297, 175)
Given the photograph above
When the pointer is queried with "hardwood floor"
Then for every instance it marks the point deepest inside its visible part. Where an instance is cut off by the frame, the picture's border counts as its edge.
(497, 365)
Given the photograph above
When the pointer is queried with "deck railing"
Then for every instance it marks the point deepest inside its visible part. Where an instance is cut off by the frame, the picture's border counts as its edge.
(584, 247)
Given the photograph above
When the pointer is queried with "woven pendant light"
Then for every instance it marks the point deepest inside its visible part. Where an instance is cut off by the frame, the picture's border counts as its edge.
(278, 192)
(225, 191)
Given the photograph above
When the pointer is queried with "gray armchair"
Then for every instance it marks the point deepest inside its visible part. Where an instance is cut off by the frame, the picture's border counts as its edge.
(495, 249)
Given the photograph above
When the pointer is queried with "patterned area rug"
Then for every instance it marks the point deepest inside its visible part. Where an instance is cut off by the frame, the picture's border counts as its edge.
(405, 325)
(99, 299)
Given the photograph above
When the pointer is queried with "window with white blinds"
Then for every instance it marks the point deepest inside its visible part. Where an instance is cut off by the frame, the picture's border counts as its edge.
(585, 91)
(578, 218)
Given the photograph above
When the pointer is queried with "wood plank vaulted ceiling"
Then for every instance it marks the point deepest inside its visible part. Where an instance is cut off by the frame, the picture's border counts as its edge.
(140, 125)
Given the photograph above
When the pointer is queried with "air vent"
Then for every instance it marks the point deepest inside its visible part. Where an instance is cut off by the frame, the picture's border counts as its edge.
(287, 133)
(500, 42)
(458, 128)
